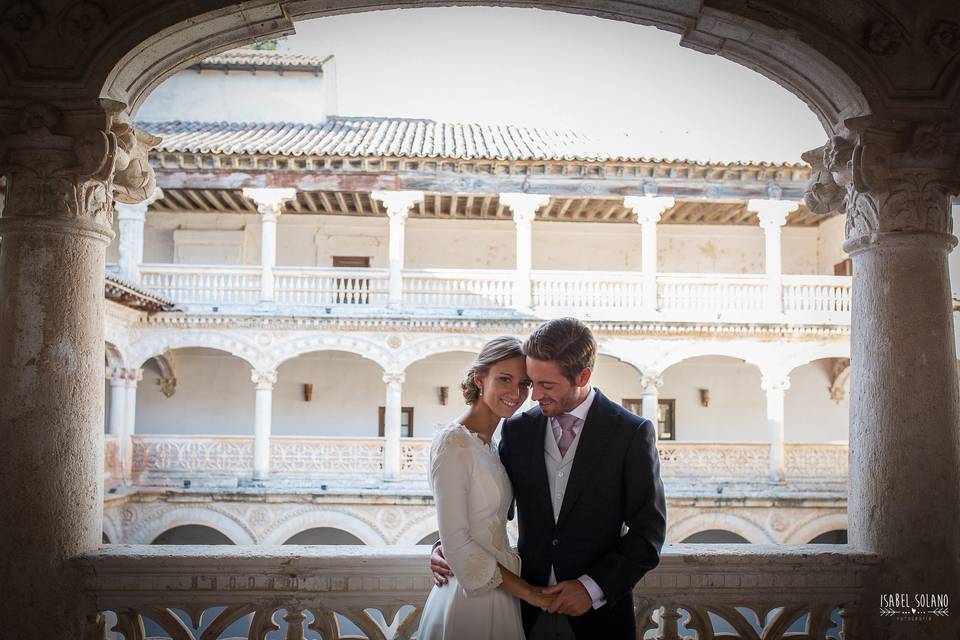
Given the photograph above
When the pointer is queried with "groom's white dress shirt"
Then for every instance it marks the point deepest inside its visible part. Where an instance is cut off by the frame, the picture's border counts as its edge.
(558, 474)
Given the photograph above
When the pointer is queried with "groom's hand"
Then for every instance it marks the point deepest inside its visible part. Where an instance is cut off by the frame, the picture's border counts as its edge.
(573, 599)
(439, 568)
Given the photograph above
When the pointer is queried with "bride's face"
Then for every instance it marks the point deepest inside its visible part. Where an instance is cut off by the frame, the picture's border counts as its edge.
(505, 386)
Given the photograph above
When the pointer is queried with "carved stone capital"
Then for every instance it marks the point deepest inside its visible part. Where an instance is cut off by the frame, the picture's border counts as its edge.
(394, 378)
(65, 169)
(137, 211)
(397, 203)
(269, 201)
(772, 213)
(263, 378)
(524, 205)
(651, 383)
(898, 179)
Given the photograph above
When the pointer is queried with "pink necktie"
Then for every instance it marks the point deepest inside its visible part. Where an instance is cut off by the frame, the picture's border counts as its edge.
(566, 422)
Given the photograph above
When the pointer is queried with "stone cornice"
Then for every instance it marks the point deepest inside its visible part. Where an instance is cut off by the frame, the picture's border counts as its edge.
(458, 325)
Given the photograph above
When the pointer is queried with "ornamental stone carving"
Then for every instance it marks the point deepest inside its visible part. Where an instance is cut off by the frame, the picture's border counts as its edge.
(885, 180)
(83, 21)
(74, 178)
(945, 38)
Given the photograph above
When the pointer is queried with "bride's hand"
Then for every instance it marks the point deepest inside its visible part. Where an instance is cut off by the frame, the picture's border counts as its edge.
(539, 599)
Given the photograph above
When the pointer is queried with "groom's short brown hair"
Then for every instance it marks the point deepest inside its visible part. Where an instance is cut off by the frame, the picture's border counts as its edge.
(566, 341)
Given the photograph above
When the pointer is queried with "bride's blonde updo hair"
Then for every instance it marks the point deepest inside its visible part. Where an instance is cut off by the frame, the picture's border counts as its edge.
(493, 352)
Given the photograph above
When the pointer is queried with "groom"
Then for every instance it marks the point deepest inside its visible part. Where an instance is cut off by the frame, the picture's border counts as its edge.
(586, 480)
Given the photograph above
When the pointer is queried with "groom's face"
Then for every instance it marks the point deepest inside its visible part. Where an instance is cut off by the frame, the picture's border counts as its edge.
(551, 389)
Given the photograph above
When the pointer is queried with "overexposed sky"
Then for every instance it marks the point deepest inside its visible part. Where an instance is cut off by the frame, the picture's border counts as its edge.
(630, 85)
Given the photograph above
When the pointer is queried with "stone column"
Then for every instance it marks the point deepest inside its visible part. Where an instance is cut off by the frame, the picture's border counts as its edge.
(269, 203)
(775, 385)
(118, 401)
(392, 410)
(262, 423)
(773, 215)
(651, 384)
(524, 207)
(132, 378)
(64, 167)
(132, 218)
(904, 482)
(649, 208)
(397, 204)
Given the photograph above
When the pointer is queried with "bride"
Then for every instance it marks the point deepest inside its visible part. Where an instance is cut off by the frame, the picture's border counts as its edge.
(472, 494)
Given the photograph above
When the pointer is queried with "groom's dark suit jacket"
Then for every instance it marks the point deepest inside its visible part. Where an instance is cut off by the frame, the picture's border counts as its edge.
(615, 480)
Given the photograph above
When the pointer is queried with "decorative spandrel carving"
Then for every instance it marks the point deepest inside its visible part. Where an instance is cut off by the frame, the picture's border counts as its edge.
(74, 178)
(885, 180)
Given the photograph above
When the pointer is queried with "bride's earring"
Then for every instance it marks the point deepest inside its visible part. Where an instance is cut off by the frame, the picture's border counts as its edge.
(481, 392)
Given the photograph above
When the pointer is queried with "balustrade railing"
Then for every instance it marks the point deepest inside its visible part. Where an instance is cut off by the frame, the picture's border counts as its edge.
(711, 295)
(589, 294)
(331, 287)
(189, 593)
(203, 285)
(458, 288)
(168, 459)
(598, 295)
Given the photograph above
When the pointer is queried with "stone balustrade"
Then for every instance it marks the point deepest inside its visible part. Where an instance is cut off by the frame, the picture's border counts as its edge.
(160, 460)
(338, 592)
(598, 295)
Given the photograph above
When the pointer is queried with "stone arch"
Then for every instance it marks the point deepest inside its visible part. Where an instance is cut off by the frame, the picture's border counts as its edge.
(419, 529)
(226, 523)
(422, 349)
(140, 59)
(724, 521)
(112, 531)
(115, 359)
(751, 354)
(363, 347)
(807, 531)
(159, 344)
(812, 353)
(333, 518)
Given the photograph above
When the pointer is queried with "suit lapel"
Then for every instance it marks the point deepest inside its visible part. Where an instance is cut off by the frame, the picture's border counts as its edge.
(538, 466)
(591, 449)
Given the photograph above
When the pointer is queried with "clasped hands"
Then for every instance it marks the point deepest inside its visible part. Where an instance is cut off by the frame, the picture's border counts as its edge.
(569, 598)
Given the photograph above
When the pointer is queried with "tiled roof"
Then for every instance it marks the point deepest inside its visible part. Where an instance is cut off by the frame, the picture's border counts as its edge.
(394, 137)
(247, 58)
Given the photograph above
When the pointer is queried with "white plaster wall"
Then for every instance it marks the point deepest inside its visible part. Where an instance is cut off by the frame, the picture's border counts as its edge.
(615, 379)
(830, 243)
(238, 96)
(589, 246)
(809, 413)
(737, 410)
(347, 389)
(214, 396)
(422, 390)
(312, 240)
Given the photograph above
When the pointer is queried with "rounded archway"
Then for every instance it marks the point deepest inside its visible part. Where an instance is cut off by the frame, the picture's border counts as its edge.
(192, 534)
(327, 393)
(715, 536)
(837, 536)
(324, 536)
(214, 395)
(817, 405)
(714, 399)
(430, 538)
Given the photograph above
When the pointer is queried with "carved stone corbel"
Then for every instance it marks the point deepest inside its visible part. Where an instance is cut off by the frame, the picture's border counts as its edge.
(895, 179)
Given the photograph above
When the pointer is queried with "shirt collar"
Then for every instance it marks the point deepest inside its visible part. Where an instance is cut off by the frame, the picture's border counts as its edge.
(581, 410)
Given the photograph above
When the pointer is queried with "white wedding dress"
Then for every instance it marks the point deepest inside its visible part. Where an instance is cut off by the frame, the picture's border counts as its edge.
(472, 493)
